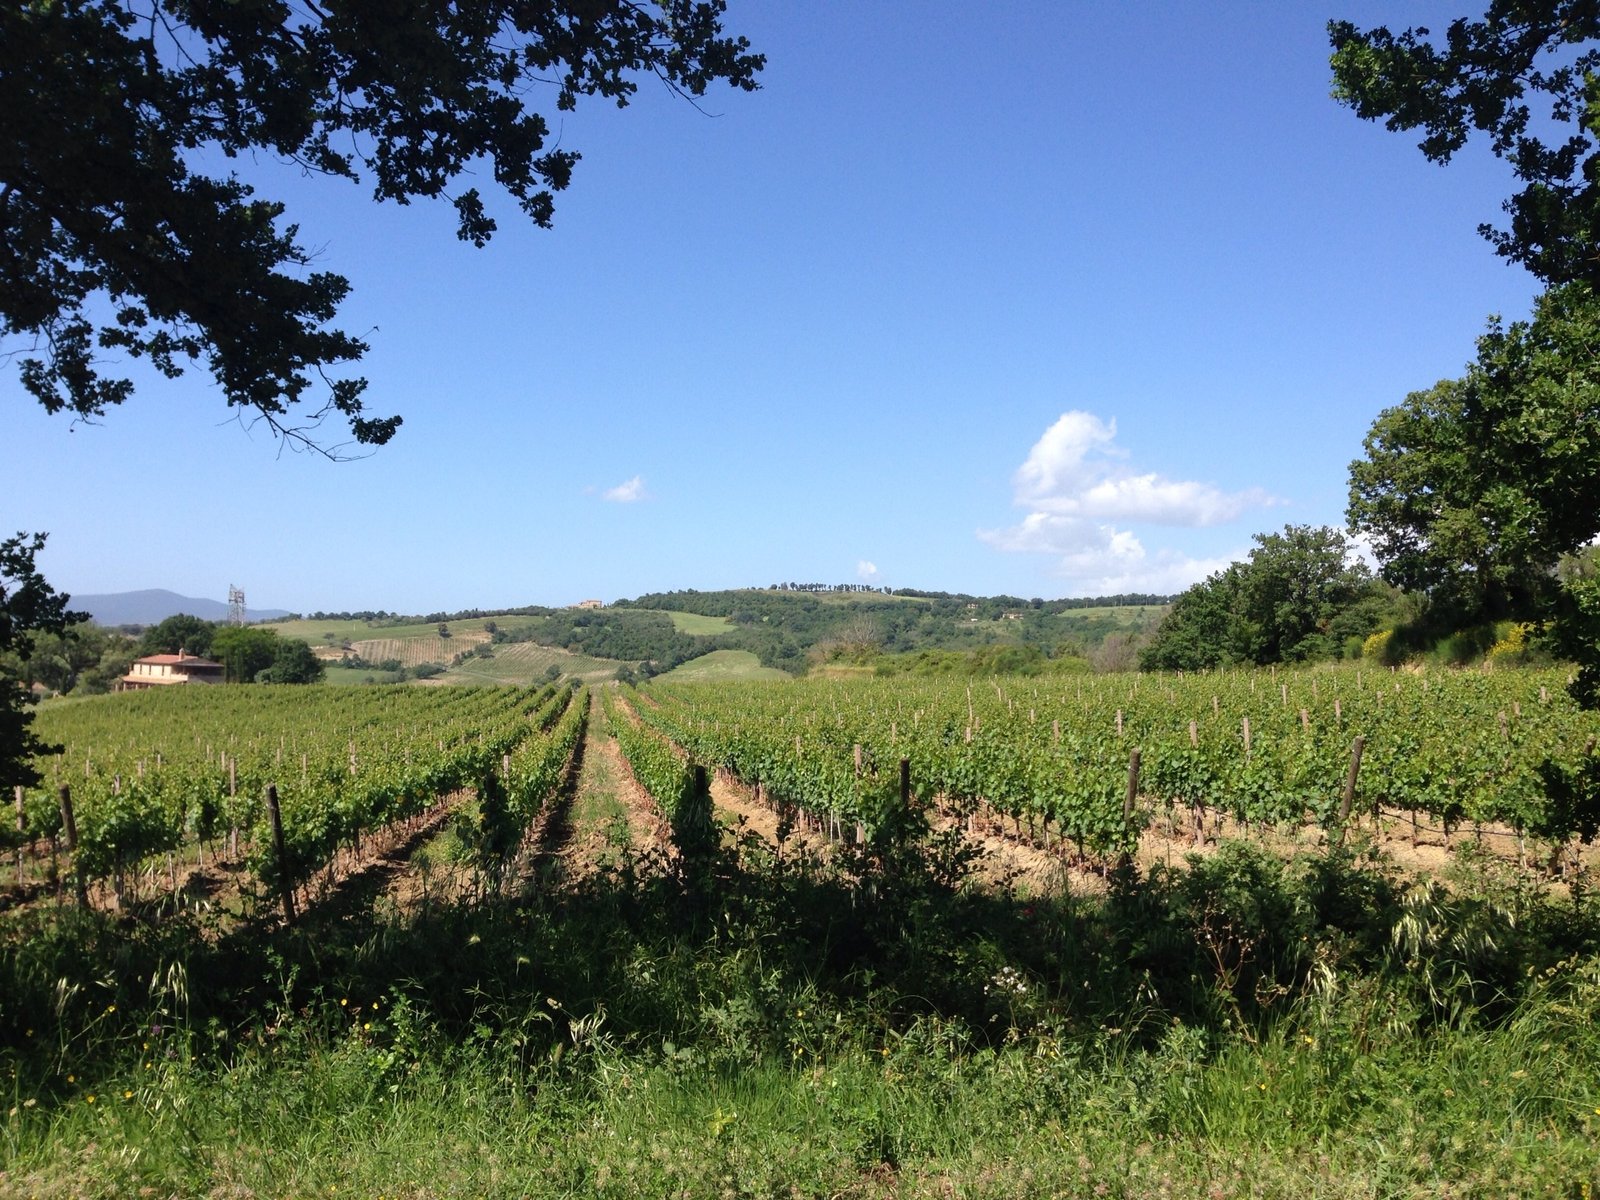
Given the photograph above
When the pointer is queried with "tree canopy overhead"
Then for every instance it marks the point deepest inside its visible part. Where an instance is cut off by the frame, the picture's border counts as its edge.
(28, 605)
(114, 236)
(1473, 489)
(1527, 75)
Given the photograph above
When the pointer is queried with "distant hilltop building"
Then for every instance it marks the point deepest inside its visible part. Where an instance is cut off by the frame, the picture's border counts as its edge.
(164, 670)
(590, 604)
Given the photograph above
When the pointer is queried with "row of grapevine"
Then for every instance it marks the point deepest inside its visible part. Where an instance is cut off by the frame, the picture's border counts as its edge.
(529, 778)
(161, 771)
(1263, 747)
(666, 773)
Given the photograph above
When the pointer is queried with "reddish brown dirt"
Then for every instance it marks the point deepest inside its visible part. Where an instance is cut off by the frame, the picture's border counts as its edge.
(647, 828)
(748, 813)
(220, 880)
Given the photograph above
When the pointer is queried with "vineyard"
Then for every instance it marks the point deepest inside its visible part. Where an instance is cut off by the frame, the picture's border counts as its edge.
(1092, 762)
(278, 779)
(414, 651)
(1083, 766)
(734, 938)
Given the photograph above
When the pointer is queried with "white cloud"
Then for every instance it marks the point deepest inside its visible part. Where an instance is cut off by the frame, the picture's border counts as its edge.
(1099, 559)
(1080, 494)
(1073, 470)
(866, 571)
(626, 493)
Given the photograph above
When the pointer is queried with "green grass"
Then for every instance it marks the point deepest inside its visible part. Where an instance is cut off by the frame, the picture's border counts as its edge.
(318, 632)
(767, 1087)
(694, 623)
(725, 665)
(1122, 614)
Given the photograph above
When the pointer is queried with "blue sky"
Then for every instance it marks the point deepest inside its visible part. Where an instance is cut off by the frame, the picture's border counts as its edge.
(1048, 299)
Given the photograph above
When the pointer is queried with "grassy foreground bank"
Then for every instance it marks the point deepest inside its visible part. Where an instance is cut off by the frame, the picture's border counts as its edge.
(860, 1027)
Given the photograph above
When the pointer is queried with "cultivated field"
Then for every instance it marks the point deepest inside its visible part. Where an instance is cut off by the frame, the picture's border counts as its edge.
(727, 666)
(413, 651)
(534, 952)
(526, 662)
(323, 633)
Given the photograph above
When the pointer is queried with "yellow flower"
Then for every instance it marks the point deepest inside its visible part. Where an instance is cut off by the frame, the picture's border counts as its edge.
(344, 1002)
(111, 1008)
(90, 1098)
(72, 1079)
(128, 1095)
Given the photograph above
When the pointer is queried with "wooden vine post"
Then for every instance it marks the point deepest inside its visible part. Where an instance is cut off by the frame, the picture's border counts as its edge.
(1350, 784)
(281, 855)
(1128, 801)
(22, 828)
(69, 826)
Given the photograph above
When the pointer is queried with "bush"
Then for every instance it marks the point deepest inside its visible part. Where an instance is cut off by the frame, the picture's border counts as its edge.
(1376, 647)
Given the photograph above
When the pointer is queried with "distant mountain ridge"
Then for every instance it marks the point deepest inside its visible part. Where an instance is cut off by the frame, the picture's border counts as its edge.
(154, 605)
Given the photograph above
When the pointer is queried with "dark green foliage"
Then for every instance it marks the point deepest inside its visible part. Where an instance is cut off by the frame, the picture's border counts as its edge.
(114, 238)
(292, 662)
(631, 636)
(245, 650)
(791, 629)
(1523, 77)
(1576, 625)
(180, 632)
(1475, 490)
(82, 658)
(1298, 597)
(28, 605)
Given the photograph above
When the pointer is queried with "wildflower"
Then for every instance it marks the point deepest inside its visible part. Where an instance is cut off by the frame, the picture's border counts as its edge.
(344, 1002)
(90, 1098)
(72, 1079)
(128, 1095)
